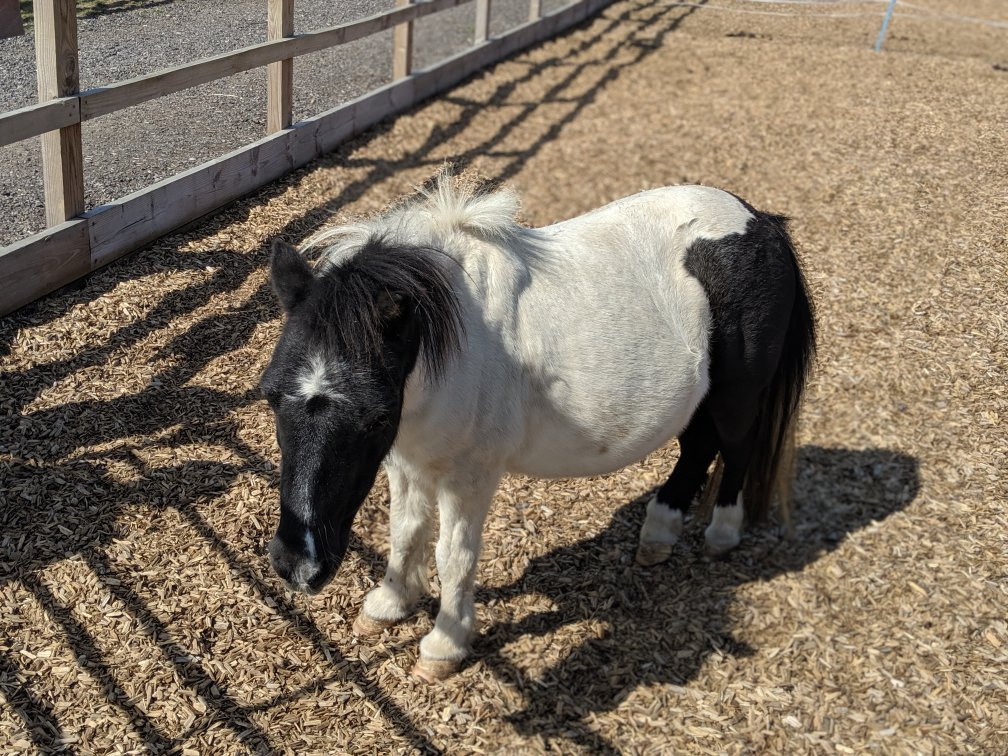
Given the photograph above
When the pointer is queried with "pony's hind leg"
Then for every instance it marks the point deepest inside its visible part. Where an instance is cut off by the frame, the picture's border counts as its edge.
(663, 522)
(411, 510)
(736, 438)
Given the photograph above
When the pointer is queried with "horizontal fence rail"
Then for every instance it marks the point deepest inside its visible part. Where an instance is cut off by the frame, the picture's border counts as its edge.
(74, 246)
(36, 120)
(100, 101)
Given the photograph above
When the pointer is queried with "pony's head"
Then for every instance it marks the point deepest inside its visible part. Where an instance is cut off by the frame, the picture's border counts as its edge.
(354, 331)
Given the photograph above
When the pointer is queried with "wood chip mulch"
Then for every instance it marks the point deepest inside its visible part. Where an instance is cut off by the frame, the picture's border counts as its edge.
(138, 467)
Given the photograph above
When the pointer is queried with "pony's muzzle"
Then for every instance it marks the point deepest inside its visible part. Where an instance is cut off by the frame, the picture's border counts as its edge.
(300, 571)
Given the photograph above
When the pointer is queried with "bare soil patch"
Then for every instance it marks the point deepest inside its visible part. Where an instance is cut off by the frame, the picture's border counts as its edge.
(138, 467)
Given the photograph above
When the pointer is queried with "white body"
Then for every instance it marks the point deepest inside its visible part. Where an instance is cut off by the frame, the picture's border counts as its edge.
(586, 348)
(586, 342)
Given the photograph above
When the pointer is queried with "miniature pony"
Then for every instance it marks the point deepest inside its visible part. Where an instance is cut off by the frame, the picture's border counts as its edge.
(453, 345)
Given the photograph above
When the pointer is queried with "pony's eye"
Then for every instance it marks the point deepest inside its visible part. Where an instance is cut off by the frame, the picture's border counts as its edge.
(376, 420)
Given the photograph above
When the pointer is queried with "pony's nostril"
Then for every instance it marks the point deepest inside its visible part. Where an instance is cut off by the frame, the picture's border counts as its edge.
(286, 562)
(299, 571)
(280, 558)
(308, 574)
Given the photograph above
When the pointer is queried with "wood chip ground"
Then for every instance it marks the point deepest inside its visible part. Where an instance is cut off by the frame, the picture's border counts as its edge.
(138, 468)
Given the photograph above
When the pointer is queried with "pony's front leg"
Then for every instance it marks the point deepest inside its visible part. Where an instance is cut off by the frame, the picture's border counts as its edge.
(411, 509)
(463, 502)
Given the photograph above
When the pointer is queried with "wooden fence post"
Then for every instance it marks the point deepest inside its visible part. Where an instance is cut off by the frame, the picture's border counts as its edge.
(402, 47)
(58, 76)
(535, 10)
(279, 75)
(482, 21)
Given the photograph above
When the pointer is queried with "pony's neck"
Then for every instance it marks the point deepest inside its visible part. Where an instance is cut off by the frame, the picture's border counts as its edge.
(416, 393)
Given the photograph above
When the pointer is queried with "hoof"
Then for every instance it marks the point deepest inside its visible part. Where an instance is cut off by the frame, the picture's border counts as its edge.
(725, 530)
(434, 670)
(719, 547)
(369, 627)
(649, 554)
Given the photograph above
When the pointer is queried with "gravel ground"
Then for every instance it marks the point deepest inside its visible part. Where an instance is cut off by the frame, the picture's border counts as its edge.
(137, 609)
(127, 150)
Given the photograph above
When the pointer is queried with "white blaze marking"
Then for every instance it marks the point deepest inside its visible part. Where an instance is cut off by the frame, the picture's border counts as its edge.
(314, 378)
(309, 542)
(301, 505)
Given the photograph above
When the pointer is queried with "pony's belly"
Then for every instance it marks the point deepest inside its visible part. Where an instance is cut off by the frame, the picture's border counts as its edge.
(557, 448)
(574, 460)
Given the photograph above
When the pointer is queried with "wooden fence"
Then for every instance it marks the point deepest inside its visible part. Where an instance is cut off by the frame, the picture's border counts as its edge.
(77, 242)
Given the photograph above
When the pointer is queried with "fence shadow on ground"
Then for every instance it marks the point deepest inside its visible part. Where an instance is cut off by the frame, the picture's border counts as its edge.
(616, 33)
(665, 621)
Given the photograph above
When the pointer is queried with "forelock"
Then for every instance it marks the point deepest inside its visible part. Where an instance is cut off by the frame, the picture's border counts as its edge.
(343, 312)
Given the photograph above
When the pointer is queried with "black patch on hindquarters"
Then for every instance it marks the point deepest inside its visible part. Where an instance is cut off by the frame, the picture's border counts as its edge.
(750, 285)
(762, 344)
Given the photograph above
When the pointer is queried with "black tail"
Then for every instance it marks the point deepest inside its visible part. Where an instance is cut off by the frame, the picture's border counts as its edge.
(771, 470)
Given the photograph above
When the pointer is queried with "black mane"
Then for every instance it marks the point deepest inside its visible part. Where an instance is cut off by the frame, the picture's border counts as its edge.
(357, 298)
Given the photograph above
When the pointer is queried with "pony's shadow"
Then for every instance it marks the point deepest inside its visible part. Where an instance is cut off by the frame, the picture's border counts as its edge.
(663, 622)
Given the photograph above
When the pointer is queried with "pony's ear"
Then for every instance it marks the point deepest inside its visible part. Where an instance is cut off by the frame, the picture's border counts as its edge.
(396, 313)
(290, 275)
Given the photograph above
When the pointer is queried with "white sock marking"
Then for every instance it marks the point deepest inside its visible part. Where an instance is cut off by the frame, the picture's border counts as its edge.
(724, 531)
(662, 524)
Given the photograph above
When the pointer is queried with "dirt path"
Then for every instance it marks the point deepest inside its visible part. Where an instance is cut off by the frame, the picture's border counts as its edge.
(137, 610)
